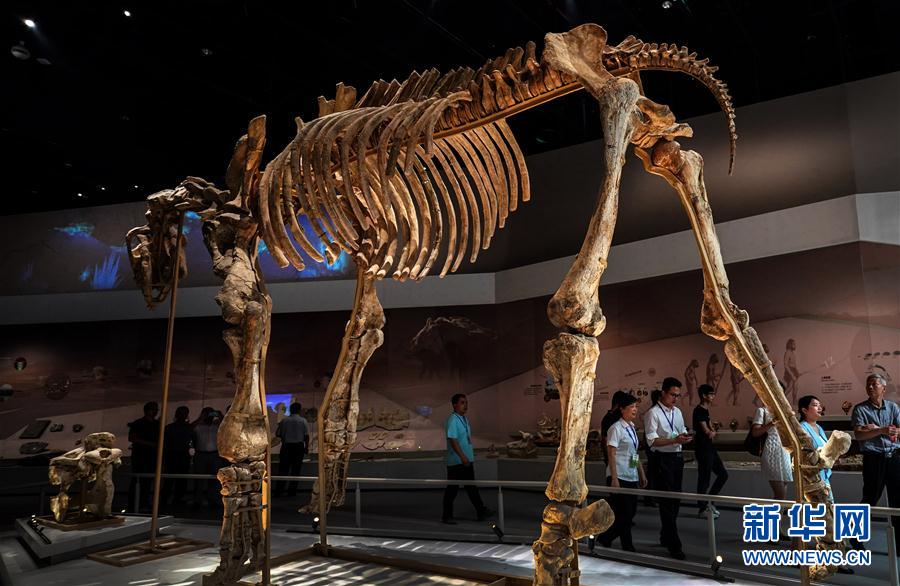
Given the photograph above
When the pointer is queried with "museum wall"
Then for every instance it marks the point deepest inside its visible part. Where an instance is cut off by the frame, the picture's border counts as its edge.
(840, 305)
(792, 151)
(823, 274)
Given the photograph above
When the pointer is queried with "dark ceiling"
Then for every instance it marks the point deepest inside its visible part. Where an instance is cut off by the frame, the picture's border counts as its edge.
(114, 107)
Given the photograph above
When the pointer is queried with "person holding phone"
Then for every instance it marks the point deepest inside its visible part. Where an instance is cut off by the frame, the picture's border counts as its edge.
(666, 434)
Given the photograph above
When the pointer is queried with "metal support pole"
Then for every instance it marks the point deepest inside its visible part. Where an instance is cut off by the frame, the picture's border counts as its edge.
(711, 535)
(501, 519)
(43, 497)
(137, 494)
(167, 371)
(892, 553)
(358, 506)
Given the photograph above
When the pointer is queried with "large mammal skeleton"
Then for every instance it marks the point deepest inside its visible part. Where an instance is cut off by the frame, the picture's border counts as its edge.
(379, 176)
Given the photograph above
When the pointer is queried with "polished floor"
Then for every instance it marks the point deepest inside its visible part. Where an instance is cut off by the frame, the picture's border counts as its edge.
(187, 569)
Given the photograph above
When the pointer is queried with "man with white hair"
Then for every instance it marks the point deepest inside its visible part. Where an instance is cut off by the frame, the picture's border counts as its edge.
(876, 422)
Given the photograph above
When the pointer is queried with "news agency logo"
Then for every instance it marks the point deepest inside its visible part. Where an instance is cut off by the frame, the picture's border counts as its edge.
(807, 521)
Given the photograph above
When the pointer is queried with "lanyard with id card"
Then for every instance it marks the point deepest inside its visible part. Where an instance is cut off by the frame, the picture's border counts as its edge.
(634, 460)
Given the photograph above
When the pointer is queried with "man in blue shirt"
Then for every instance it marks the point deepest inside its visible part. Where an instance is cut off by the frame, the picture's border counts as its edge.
(876, 423)
(461, 460)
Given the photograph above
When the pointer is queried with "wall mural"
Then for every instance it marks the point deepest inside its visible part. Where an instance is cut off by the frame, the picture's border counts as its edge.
(83, 250)
(58, 384)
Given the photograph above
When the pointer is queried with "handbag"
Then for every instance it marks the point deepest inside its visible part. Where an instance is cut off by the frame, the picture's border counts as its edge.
(754, 445)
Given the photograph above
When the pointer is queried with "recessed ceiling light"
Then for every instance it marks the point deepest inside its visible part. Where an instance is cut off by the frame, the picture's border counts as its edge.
(30, 23)
(206, 52)
(43, 61)
(79, 194)
(137, 186)
(102, 188)
(20, 52)
(127, 13)
(666, 5)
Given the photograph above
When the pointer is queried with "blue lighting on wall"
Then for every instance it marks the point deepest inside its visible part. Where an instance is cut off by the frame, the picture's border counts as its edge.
(106, 275)
(273, 400)
(77, 229)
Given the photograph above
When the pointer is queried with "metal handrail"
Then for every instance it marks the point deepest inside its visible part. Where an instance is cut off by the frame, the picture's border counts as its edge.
(888, 512)
(715, 498)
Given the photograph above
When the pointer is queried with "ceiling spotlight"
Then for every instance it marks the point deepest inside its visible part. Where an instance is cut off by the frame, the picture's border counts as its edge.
(20, 52)
(30, 23)
(206, 52)
(43, 60)
(127, 13)
(137, 186)
(79, 194)
(666, 5)
(102, 188)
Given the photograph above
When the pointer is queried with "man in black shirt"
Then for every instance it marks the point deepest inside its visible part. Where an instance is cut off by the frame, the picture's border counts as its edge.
(177, 444)
(705, 452)
(143, 434)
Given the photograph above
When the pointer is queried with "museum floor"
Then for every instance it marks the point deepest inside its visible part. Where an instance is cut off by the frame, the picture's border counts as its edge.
(187, 569)
(407, 519)
(511, 558)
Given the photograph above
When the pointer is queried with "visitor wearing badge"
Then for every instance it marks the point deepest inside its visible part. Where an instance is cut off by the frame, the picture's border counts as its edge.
(665, 433)
(625, 471)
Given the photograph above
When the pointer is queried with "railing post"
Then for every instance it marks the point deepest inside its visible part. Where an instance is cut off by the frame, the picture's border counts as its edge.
(892, 553)
(137, 495)
(711, 535)
(358, 506)
(43, 497)
(501, 521)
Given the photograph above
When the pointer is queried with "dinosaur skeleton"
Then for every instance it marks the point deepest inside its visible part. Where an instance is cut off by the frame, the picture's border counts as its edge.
(379, 177)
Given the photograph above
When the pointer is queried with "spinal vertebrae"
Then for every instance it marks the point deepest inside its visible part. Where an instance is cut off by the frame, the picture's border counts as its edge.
(377, 177)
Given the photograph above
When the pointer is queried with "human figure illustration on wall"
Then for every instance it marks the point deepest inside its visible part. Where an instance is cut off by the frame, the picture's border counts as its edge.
(690, 379)
(713, 376)
(791, 374)
(736, 378)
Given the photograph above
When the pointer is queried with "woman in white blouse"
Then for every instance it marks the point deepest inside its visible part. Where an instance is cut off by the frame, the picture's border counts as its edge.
(775, 460)
(625, 471)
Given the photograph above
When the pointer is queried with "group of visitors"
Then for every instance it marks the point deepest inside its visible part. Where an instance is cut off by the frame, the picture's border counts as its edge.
(876, 423)
(188, 447)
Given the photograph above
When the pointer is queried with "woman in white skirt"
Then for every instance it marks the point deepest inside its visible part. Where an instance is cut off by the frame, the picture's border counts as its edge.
(776, 462)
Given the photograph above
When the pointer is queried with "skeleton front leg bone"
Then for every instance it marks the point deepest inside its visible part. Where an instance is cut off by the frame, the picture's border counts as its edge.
(723, 320)
(340, 406)
(572, 357)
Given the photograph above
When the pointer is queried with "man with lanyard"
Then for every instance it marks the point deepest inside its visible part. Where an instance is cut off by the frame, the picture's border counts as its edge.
(665, 433)
(460, 460)
(876, 423)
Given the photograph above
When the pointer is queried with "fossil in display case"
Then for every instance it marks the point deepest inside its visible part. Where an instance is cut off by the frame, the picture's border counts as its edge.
(594, 448)
(522, 447)
(548, 431)
(92, 463)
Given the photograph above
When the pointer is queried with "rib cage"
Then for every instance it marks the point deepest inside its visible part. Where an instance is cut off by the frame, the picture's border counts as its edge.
(375, 183)
(377, 178)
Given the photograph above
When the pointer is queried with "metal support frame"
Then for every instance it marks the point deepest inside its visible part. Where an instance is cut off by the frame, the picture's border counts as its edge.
(892, 553)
